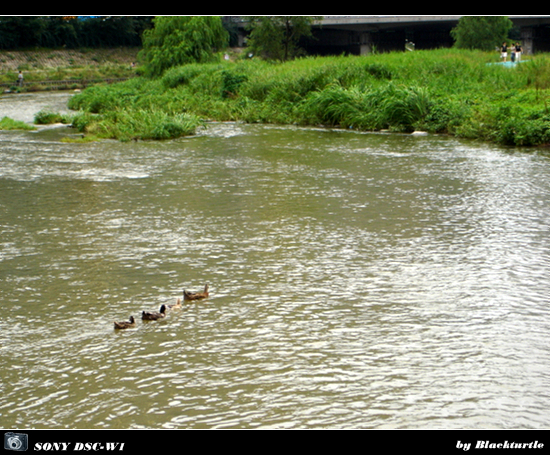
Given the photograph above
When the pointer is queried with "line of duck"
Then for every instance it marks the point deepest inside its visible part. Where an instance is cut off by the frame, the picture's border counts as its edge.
(161, 314)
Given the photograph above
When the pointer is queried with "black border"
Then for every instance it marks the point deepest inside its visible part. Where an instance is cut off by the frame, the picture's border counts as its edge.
(369, 441)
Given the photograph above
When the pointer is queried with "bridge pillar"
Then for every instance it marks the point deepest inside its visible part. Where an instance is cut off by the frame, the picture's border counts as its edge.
(527, 40)
(365, 43)
(365, 49)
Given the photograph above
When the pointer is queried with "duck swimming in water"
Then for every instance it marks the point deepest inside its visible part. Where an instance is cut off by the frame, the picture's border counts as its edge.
(145, 316)
(175, 306)
(189, 296)
(125, 324)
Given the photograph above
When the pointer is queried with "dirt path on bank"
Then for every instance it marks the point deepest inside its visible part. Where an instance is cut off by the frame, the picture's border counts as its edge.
(48, 58)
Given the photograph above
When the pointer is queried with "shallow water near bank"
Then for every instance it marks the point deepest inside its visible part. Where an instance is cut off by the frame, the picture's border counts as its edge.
(356, 281)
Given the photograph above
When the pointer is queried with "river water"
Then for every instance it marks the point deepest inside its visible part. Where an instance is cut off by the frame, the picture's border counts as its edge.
(361, 281)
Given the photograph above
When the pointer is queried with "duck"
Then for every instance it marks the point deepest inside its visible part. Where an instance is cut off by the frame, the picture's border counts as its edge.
(195, 295)
(145, 316)
(125, 324)
(175, 306)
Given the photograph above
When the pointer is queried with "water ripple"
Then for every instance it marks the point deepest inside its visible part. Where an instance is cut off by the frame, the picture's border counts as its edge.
(357, 281)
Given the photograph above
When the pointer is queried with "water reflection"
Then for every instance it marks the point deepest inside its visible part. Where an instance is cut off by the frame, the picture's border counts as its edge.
(357, 281)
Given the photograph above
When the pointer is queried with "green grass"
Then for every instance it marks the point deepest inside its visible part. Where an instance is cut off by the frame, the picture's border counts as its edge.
(63, 64)
(9, 124)
(137, 124)
(49, 118)
(441, 91)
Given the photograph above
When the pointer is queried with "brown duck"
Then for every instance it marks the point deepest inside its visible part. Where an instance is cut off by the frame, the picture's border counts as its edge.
(189, 296)
(145, 316)
(175, 305)
(125, 324)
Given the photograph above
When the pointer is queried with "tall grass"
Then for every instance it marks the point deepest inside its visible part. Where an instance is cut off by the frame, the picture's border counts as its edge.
(126, 125)
(7, 123)
(442, 91)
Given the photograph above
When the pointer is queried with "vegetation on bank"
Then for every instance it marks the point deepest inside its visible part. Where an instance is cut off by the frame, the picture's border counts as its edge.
(44, 65)
(456, 92)
(7, 123)
(183, 81)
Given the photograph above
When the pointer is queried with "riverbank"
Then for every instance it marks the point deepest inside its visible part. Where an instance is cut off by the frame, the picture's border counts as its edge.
(445, 91)
(40, 67)
(458, 93)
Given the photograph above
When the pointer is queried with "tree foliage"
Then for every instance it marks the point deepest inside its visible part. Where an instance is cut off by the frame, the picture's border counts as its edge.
(178, 40)
(481, 32)
(277, 37)
(72, 32)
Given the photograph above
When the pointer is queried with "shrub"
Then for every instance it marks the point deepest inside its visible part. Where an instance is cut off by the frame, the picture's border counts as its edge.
(232, 83)
(446, 115)
(181, 75)
(523, 126)
(95, 100)
(48, 118)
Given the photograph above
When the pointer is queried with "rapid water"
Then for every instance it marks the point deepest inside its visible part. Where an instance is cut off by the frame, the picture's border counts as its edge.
(356, 280)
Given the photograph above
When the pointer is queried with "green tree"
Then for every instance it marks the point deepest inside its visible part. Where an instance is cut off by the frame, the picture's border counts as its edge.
(179, 40)
(20, 31)
(277, 37)
(481, 32)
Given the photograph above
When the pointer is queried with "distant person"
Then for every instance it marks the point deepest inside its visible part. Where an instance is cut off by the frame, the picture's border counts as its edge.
(504, 52)
(519, 51)
(20, 79)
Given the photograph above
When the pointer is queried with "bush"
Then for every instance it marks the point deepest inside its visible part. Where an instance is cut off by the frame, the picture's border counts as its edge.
(232, 83)
(181, 75)
(95, 100)
(48, 118)
(446, 115)
(523, 127)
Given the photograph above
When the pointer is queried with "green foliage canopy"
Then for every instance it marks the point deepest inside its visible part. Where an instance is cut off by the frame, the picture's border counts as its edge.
(72, 32)
(481, 32)
(277, 37)
(179, 40)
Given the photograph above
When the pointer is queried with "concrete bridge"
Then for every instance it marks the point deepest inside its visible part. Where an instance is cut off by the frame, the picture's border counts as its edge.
(364, 34)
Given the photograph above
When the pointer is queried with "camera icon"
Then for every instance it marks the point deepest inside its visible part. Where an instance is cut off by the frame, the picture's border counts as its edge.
(16, 441)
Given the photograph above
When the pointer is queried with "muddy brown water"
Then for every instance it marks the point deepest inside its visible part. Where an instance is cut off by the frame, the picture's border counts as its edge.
(356, 280)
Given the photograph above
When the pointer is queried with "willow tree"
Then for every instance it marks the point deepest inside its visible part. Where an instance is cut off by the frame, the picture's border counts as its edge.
(178, 40)
(277, 37)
